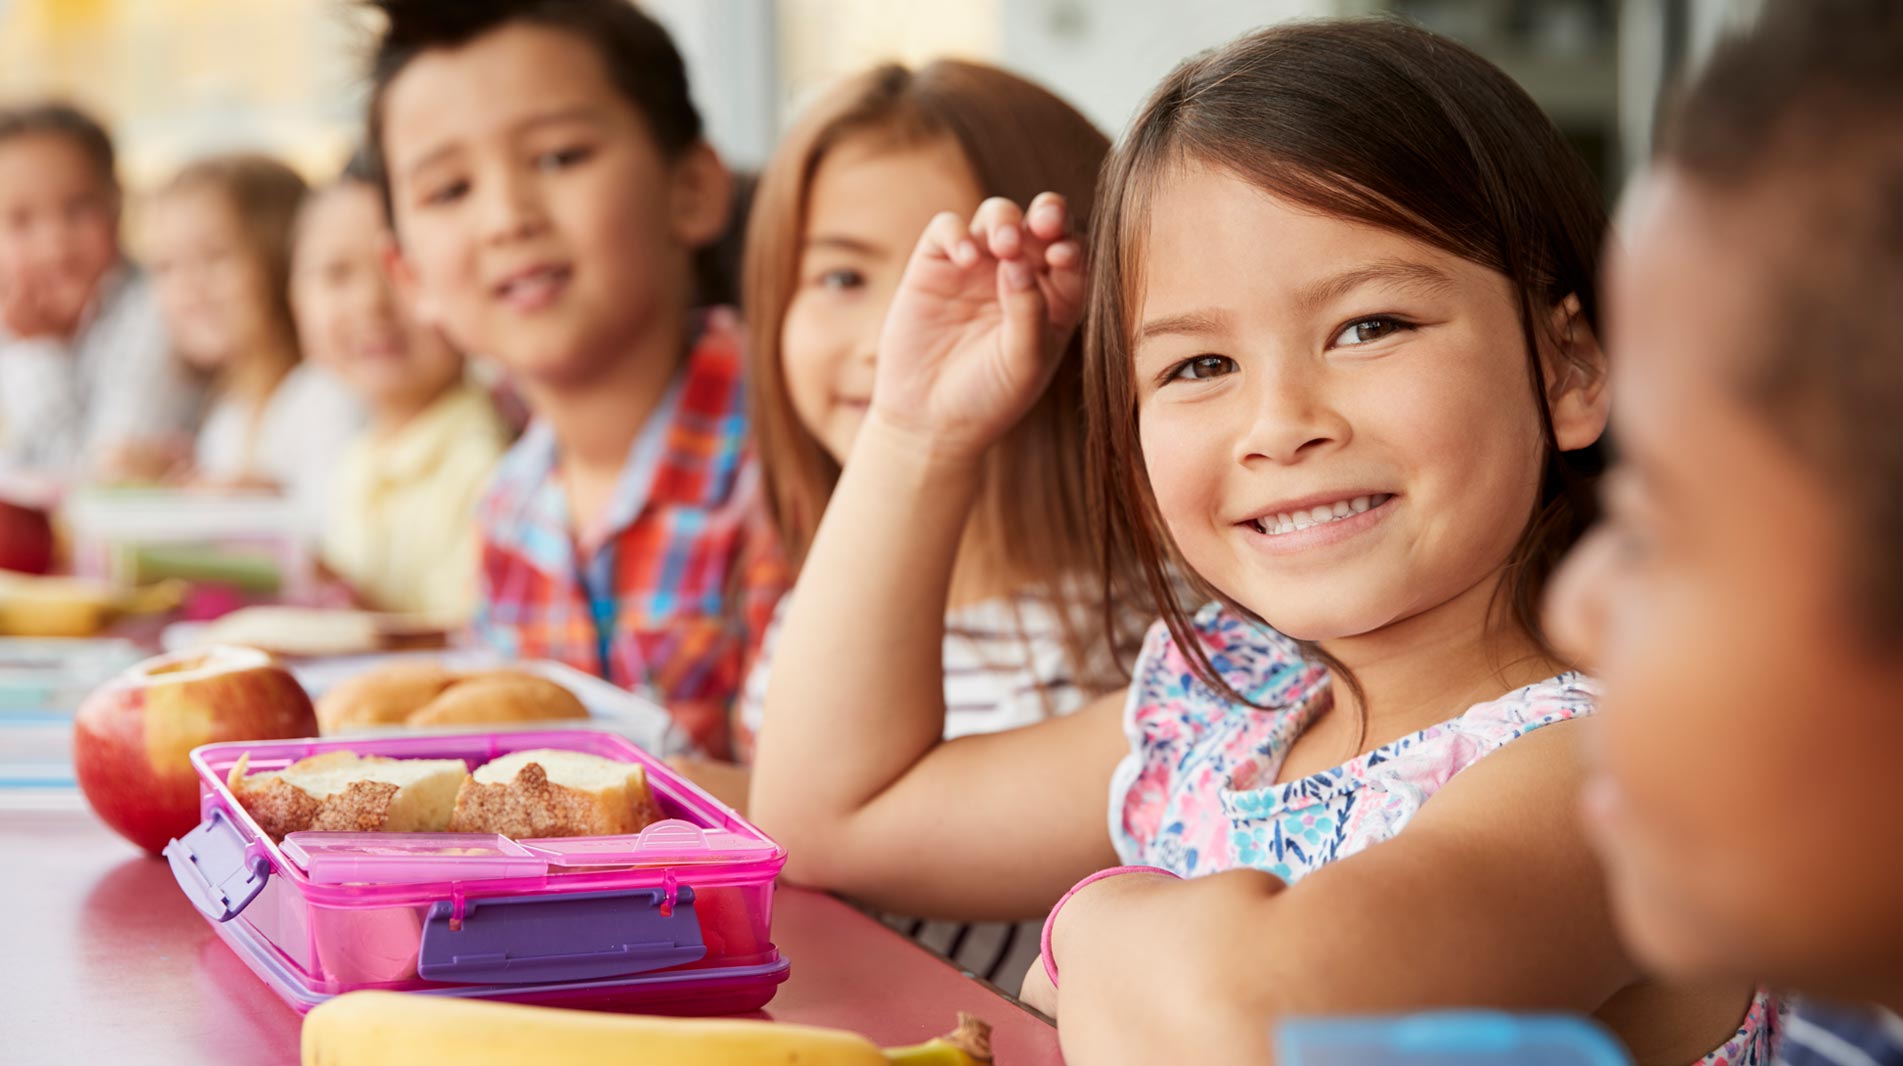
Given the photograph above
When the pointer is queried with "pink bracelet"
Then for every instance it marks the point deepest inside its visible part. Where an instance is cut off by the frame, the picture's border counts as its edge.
(1050, 923)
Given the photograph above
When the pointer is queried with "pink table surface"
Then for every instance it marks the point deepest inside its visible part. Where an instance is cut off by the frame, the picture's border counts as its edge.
(105, 961)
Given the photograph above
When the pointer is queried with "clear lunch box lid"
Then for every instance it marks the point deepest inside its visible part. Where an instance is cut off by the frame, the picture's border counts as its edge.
(344, 858)
(399, 858)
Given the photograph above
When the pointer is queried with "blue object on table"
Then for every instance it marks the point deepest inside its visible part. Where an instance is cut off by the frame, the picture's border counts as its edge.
(1452, 1038)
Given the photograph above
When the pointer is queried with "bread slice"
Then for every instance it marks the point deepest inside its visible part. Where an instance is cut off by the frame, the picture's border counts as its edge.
(298, 631)
(551, 793)
(339, 791)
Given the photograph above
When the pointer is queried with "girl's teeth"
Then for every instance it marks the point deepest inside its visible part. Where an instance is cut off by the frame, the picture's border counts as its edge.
(1290, 521)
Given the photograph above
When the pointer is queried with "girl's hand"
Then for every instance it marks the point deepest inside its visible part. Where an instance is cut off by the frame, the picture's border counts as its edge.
(978, 323)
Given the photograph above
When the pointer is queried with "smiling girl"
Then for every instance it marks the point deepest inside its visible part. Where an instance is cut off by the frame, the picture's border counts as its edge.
(1342, 369)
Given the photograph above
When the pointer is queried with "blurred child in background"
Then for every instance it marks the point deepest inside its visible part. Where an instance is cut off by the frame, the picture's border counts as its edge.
(550, 191)
(1743, 603)
(220, 234)
(401, 525)
(86, 385)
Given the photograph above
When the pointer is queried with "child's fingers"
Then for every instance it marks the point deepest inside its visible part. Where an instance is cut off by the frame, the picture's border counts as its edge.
(945, 237)
(997, 227)
(1024, 325)
(1048, 218)
(1064, 283)
(1047, 226)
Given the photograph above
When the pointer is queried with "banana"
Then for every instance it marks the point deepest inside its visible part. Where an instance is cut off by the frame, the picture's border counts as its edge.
(395, 1029)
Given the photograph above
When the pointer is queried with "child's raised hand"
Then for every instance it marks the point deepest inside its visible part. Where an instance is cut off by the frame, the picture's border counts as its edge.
(978, 323)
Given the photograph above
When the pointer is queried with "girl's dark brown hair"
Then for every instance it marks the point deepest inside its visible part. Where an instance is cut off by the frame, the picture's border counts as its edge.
(1019, 140)
(1377, 122)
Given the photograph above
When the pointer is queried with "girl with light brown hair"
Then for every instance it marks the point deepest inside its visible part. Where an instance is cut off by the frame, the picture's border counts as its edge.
(835, 217)
(220, 236)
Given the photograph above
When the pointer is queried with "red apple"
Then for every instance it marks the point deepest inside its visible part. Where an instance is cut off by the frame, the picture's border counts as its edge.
(133, 736)
(26, 539)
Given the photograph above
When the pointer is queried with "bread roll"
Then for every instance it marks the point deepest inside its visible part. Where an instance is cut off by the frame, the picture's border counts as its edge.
(502, 696)
(387, 695)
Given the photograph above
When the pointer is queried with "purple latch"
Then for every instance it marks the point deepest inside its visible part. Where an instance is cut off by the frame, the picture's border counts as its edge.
(522, 939)
(218, 869)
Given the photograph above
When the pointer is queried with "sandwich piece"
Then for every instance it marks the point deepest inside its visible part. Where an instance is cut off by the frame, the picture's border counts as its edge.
(339, 791)
(551, 793)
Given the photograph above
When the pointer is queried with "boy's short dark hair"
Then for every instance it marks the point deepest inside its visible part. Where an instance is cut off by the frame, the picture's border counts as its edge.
(1805, 113)
(63, 120)
(636, 51)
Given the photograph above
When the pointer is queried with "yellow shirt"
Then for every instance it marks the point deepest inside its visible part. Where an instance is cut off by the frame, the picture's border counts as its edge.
(402, 525)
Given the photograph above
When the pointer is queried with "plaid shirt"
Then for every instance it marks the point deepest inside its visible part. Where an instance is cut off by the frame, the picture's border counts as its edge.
(674, 600)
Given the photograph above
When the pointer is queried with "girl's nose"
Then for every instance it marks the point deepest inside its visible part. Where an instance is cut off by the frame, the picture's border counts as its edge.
(1290, 418)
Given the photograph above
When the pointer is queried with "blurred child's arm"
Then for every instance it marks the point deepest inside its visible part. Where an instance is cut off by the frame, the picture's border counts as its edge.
(850, 772)
(1489, 898)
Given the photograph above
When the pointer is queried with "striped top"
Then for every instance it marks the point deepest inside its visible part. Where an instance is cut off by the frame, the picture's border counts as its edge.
(1005, 667)
(66, 404)
(1819, 1034)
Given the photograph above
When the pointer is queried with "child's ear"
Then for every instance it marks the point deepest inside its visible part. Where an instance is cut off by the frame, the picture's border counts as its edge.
(702, 196)
(408, 289)
(1576, 378)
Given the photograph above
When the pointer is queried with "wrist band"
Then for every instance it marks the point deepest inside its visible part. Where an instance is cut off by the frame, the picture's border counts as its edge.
(1050, 923)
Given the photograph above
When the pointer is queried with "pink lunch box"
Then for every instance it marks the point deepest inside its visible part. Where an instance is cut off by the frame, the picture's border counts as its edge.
(675, 920)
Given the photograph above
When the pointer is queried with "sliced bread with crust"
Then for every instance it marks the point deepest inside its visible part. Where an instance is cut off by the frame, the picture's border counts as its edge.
(340, 791)
(551, 793)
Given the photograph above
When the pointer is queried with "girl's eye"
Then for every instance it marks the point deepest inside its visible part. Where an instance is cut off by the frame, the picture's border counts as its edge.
(447, 193)
(841, 280)
(1368, 330)
(563, 158)
(1203, 367)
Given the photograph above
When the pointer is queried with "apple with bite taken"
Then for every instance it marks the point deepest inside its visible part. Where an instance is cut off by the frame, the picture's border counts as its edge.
(133, 737)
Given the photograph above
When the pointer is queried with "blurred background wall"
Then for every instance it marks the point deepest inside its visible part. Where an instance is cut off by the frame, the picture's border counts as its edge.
(178, 78)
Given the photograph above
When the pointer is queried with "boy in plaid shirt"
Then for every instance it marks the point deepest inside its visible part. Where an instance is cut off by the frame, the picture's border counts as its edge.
(549, 188)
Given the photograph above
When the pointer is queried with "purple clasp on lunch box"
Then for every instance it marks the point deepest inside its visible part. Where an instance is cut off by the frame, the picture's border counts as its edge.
(522, 939)
(218, 869)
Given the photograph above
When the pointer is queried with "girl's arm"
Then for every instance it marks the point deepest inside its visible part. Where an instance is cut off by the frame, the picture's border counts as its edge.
(850, 772)
(1491, 897)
